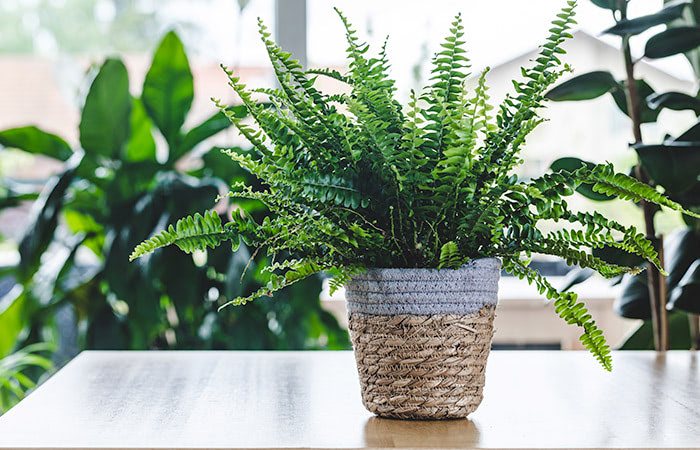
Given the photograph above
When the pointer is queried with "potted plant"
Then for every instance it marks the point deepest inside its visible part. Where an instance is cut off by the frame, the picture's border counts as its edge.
(415, 209)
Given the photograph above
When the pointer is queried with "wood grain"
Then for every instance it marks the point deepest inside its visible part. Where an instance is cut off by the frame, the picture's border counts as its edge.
(312, 399)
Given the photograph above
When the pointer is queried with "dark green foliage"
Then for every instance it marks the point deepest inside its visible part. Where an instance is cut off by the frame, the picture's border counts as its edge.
(114, 191)
(672, 166)
(16, 373)
(429, 185)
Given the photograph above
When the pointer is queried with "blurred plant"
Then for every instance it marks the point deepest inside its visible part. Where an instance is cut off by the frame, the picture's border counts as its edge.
(114, 190)
(15, 377)
(673, 165)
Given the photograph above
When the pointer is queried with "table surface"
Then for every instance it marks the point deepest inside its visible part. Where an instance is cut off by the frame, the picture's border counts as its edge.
(311, 399)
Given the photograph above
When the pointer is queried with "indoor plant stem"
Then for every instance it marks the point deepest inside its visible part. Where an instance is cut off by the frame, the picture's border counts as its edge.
(655, 280)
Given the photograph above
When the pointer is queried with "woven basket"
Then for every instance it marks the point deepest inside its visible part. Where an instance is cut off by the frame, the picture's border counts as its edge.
(422, 336)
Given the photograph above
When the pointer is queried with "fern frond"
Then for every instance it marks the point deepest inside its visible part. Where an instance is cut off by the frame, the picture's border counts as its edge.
(189, 234)
(450, 257)
(569, 309)
(606, 181)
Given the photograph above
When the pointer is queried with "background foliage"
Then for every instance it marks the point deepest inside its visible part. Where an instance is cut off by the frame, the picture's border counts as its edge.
(74, 276)
(672, 165)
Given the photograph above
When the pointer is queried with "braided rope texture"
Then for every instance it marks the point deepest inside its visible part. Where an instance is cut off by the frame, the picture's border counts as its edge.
(422, 367)
(422, 337)
(425, 291)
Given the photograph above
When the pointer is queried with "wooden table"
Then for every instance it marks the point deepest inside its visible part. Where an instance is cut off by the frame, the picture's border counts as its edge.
(311, 399)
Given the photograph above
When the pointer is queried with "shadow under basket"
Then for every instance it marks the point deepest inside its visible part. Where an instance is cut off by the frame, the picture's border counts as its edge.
(422, 337)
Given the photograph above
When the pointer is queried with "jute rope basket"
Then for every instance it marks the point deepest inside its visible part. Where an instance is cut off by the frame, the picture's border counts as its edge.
(422, 337)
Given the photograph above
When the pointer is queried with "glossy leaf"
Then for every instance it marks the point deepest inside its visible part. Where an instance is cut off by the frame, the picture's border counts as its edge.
(168, 89)
(12, 319)
(104, 124)
(607, 4)
(213, 125)
(33, 140)
(681, 248)
(672, 42)
(678, 334)
(690, 135)
(633, 301)
(570, 164)
(686, 295)
(618, 256)
(45, 214)
(670, 12)
(648, 115)
(141, 145)
(583, 87)
(677, 101)
(675, 166)
(575, 276)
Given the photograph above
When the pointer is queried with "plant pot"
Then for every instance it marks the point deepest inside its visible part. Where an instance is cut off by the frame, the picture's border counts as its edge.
(422, 336)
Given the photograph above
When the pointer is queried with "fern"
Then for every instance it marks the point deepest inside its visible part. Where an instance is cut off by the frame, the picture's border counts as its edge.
(567, 307)
(449, 256)
(373, 184)
(190, 234)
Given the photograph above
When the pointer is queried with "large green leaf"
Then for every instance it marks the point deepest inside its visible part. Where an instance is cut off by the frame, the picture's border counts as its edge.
(677, 101)
(618, 256)
(104, 124)
(672, 42)
(168, 88)
(633, 301)
(678, 334)
(12, 319)
(575, 276)
(583, 87)
(691, 134)
(674, 165)
(33, 140)
(569, 164)
(45, 212)
(648, 115)
(141, 145)
(670, 12)
(607, 4)
(686, 295)
(681, 248)
(216, 123)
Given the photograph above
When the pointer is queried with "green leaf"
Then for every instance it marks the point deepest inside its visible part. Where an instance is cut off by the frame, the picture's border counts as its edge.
(686, 295)
(633, 301)
(12, 319)
(674, 165)
(570, 164)
(33, 140)
(678, 334)
(681, 248)
(618, 256)
(672, 42)
(104, 124)
(575, 276)
(691, 134)
(648, 115)
(607, 4)
(213, 125)
(583, 87)
(168, 88)
(141, 145)
(627, 27)
(676, 101)
(189, 234)
(45, 211)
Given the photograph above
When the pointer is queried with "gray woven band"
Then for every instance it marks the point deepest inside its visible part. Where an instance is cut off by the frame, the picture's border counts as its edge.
(425, 291)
